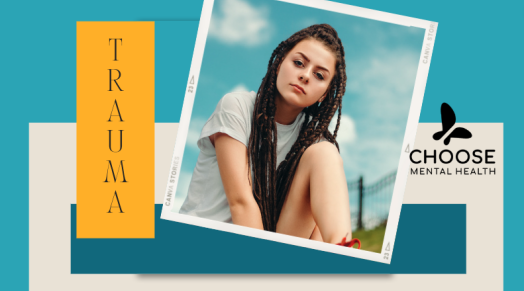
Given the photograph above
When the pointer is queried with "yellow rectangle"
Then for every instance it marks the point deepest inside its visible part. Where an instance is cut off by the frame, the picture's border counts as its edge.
(115, 95)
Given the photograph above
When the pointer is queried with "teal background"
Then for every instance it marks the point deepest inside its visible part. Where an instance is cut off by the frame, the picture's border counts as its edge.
(174, 43)
(476, 68)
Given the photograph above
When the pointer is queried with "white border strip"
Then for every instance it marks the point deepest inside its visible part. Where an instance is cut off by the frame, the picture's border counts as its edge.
(361, 12)
(187, 107)
(409, 140)
(404, 163)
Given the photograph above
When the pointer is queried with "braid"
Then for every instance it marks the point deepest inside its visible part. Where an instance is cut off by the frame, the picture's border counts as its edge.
(271, 182)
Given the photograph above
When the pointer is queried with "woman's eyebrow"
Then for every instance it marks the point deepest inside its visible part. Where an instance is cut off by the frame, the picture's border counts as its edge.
(320, 67)
(304, 56)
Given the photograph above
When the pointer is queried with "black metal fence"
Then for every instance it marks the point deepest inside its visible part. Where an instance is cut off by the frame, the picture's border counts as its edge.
(372, 201)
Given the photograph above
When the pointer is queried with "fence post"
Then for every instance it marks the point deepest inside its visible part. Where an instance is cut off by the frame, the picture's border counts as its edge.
(361, 196)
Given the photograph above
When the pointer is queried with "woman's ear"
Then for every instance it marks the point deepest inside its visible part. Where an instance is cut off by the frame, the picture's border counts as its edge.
(327, 92)
(324, 96)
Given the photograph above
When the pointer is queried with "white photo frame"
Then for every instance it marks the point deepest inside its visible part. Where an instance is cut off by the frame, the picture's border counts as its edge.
(408, 140)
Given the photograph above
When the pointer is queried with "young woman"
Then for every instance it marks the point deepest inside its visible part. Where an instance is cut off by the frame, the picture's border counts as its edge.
(268, 160)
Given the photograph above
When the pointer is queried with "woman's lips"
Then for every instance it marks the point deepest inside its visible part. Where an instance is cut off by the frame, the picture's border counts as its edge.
(299, 89)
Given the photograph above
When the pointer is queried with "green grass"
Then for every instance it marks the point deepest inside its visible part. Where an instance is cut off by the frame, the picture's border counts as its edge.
(371, 239)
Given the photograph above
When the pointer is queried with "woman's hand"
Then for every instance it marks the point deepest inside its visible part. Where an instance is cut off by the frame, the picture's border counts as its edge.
(234, 170)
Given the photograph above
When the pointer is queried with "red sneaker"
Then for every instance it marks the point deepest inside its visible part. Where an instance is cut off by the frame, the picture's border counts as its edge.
(350, 243)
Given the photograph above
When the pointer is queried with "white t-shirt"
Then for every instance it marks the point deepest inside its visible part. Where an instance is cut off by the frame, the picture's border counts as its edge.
(206, 197)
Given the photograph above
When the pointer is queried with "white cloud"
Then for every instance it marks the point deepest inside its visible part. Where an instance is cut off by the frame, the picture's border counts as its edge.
(239, 88)
(346, 136)
(240, 23)
(377, 157)
(346, 132)
(381, 86)
(386, 80)
(308, 22)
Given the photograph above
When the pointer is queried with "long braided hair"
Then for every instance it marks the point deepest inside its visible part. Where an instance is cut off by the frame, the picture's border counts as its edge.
(270, 187)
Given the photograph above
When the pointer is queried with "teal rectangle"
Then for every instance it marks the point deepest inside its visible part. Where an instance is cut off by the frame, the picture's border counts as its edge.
(187, 249)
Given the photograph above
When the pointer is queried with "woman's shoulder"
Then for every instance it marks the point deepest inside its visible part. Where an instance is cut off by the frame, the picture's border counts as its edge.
(238, 103)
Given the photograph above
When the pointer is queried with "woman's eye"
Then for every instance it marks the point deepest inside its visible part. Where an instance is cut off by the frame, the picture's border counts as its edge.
(299, 63)
(320, 76)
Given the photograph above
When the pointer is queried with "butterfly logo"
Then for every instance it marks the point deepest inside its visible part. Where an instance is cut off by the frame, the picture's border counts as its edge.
(448, 120)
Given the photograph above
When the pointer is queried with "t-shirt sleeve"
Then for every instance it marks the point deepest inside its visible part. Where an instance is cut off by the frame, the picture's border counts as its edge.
(229, 117)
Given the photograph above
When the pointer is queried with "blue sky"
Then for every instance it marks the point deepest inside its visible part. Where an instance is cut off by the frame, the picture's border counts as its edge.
(381, 65)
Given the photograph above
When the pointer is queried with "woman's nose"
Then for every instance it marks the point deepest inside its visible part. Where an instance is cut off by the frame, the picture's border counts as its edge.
(304, 78)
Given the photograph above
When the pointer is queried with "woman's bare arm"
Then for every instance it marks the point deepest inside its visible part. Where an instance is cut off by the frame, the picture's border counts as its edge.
(233, 165)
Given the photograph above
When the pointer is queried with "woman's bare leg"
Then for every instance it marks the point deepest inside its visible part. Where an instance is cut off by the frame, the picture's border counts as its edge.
(316, 234)
(318, 197)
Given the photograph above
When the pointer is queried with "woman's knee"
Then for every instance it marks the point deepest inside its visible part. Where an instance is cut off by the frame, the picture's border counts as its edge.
(322, 154)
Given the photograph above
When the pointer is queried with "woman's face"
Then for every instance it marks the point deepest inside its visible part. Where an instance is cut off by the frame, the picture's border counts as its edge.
(305, 73)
